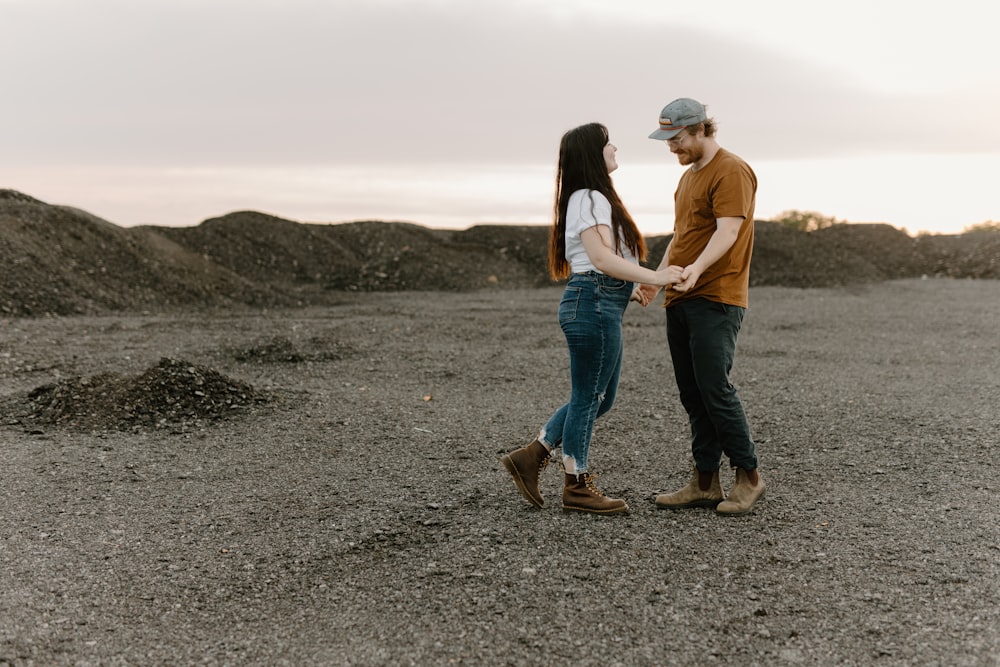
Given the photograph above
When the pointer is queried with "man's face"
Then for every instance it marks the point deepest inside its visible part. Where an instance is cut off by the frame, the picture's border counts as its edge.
(686, 147)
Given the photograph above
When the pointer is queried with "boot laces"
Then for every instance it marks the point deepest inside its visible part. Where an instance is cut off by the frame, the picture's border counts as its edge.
(544, 464)
(589, 481)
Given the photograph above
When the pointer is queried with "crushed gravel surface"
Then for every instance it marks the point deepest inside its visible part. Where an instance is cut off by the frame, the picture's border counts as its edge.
(264, 485)
(261, 442)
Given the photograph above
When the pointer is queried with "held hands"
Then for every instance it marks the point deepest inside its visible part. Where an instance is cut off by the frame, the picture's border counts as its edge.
(680, 278)
(668, 276)
(688, 278)
(644, 294)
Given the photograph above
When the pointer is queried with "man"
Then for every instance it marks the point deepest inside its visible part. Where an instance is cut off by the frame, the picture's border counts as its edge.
(710, 248)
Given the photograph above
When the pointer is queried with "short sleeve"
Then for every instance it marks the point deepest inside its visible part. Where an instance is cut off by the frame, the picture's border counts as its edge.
(588, 208)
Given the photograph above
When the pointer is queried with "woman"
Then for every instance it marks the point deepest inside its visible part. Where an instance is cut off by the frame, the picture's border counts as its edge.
(595, 243)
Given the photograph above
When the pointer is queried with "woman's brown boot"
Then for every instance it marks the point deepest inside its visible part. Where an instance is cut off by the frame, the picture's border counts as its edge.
(580, 495)
(525, 465)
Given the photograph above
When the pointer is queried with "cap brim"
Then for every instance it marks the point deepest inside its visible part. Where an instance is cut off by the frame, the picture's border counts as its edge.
(665, 134)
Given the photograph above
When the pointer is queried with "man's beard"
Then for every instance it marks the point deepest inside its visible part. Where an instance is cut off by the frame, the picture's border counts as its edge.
(687, 157)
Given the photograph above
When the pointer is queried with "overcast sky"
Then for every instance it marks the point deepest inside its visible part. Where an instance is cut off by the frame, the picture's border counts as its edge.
(98, 93)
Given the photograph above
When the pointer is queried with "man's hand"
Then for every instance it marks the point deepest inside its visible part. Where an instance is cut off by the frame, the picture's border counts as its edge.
(688, 279)
(726, 232)
(645, 294)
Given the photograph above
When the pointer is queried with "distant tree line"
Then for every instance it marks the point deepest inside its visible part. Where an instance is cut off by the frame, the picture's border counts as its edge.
(806, 221)
(810, 221)
(988, 226)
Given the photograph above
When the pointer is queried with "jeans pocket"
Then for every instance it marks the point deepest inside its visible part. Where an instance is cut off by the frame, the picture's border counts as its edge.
(569, 304)
(613, 285)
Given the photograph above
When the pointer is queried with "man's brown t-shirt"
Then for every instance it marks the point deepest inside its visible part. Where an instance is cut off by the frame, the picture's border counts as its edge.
(724, 188)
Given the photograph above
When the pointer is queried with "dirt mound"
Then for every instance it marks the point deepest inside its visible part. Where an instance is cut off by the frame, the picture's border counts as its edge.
(972, 255)
(398, 256)
(313, 260)
(838, 255)
(264, 247)
(60, 260)
(15, 196)
(171, 393)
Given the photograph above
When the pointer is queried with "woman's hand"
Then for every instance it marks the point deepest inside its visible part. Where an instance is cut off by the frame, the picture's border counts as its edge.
(641, 297)
(645, 294)
(668, 276)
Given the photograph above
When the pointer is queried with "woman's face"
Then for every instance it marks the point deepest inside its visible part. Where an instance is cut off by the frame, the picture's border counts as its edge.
(609, 156)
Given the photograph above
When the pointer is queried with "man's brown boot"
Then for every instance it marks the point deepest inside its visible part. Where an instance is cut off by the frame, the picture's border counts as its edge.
(525, 465)
(743, 495)
(580, 495)
(693, 495)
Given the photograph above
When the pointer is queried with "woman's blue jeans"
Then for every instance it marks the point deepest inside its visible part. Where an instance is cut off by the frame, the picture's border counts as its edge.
(590, 314)
(702, 335)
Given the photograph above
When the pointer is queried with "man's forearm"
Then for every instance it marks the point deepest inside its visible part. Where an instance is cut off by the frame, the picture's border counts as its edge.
(721, 241)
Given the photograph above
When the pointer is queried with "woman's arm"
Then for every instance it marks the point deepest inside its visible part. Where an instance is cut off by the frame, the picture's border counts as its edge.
(597, 241)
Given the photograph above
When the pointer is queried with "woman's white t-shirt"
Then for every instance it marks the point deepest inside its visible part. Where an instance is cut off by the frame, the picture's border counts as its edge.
(581, 216)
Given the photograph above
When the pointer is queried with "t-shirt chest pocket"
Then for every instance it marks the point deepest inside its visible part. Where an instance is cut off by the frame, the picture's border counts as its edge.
(703, 212)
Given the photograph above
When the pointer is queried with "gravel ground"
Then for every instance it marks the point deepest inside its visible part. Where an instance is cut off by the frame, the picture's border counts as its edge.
(352, 510)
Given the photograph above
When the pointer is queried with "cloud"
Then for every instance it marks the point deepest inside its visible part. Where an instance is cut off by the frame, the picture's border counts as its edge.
(303, 82)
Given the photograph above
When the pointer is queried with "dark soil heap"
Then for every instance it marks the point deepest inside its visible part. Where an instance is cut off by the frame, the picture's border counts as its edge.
(62, 261)
(172, 393)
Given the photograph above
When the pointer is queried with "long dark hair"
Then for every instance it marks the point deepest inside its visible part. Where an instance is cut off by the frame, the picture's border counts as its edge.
(582, 167)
